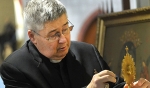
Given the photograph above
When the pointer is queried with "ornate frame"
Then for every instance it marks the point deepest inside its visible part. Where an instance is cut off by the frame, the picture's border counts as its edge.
(120, 22)
(116, 19)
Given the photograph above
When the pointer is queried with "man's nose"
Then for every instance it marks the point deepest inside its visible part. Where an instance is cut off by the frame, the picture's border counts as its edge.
(62, 39)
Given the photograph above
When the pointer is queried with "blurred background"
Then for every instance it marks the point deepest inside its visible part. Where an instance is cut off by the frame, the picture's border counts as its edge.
(82, 13)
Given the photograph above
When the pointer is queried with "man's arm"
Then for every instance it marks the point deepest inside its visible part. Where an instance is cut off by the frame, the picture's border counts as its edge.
(12, 77)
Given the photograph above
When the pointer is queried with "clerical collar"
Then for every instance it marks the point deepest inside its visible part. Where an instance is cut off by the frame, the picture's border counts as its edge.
(55, 61)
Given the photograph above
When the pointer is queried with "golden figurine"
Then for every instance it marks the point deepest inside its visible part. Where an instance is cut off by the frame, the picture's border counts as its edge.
(128, 69)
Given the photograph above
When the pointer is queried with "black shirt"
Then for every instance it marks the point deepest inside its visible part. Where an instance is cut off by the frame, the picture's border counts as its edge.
(61, 70)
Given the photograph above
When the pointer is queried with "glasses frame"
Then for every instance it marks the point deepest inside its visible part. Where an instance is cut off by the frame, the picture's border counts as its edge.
(70, 27)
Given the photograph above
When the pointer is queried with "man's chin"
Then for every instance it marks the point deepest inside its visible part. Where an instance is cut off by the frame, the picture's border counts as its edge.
(61, 55)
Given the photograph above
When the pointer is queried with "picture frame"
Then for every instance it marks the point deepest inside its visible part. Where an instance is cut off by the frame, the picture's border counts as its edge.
(129, 28)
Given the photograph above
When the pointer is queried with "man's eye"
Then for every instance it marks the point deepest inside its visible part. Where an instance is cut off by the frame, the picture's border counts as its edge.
(55, 35)
(52, 36)
(64, 30)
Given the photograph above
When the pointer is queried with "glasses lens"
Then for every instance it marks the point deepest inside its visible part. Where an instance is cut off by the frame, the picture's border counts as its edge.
(71, 27)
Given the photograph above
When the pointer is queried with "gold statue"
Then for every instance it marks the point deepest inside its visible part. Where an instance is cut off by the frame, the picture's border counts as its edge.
(128, 69)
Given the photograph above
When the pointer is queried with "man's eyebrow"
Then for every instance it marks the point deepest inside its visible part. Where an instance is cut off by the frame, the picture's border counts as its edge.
(66, 23)
(54, 30)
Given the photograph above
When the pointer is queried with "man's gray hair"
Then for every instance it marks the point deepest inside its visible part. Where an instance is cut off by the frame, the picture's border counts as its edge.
(38, 12)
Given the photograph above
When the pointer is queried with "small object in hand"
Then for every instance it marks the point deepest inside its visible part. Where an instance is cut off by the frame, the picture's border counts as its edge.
(106, 85)
(95, 71)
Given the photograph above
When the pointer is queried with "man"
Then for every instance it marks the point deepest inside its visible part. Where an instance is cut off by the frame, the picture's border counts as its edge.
(50, 60)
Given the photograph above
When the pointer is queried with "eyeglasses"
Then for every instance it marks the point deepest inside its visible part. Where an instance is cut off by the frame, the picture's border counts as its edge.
(55, 36)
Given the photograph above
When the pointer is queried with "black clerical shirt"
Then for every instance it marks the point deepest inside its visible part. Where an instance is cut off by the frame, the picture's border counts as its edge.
(61, 70)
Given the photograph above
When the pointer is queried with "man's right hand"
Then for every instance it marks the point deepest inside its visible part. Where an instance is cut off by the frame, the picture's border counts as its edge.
(100, 79)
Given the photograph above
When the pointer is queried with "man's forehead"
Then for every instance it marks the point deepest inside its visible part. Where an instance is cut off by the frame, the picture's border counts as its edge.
(55, 25)
(51, 27)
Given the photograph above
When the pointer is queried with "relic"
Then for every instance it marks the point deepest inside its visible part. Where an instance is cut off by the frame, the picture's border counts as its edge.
(128, 69)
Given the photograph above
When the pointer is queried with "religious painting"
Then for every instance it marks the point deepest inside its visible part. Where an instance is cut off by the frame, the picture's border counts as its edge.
(129, 28)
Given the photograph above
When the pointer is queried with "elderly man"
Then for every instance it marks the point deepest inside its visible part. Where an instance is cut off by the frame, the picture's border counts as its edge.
(50, 60)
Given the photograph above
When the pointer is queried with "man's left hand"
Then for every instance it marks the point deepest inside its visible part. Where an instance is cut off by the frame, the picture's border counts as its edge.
(141, 83)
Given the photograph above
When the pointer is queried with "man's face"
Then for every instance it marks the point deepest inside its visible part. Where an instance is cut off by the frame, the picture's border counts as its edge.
(56, 49)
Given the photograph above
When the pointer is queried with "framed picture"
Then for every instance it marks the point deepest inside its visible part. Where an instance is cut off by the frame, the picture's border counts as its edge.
(129, 28)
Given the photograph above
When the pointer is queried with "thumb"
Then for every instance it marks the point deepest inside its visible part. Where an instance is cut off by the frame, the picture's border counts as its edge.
(125, 86)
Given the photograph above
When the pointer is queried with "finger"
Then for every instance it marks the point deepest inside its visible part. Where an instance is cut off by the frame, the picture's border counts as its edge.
(145, 84)
(106, 72)
(108, 78)
(103, 79)
(140, 82)
(148, 84)
(125, 86)
(135, 83)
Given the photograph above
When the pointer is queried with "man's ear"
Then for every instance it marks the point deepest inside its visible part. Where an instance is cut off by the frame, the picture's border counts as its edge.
(32, 36)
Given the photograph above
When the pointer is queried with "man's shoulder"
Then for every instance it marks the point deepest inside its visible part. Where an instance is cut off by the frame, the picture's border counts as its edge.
(82, 47)
(22, 52)
(78, 44)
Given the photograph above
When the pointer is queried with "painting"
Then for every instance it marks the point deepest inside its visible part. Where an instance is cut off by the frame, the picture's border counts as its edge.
(129, 28)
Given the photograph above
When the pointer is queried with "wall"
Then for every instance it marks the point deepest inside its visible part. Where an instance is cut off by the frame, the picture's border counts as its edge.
(80, 10)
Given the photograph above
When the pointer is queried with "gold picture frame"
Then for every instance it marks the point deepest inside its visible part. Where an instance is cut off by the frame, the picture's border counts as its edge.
(127, 28)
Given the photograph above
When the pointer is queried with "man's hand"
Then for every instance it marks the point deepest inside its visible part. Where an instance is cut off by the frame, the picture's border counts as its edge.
(141, 83)
(100, 79)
